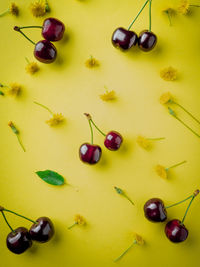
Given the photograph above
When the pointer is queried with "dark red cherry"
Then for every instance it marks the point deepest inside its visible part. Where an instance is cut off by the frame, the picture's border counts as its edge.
(113, 140)
(147, 40)
(42, 231)
(19, 240)
(45, 52)
(124, 39)
(176, 231)
(154, 210)
(90, 153)
(53, 29)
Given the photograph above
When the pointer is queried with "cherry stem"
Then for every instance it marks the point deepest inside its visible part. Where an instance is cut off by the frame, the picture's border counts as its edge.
(5, 12)
(29, 27)
(190, 114)
(43, 107)
(7, 221)
(138, 15)
(150, 1)
(167, 207)
(16, 28)
(176, 165)
(72, 225)
(193, 197)
(19, 215)
(122, 255)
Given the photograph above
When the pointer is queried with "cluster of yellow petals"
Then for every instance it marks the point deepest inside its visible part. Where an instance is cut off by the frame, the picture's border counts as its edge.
(91, 62)
(38, 8)
(169, 74)
(184, 7)
(79, 219)
(166, 98)
(108, 96)
(32, 68)
(161, 171)
(14, 10)
(143, 142)
(139, 240)
(56, 119)
(14, 89)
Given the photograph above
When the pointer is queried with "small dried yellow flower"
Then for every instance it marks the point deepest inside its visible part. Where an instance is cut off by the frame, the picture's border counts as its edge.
(184, 7)
(14, 89)
(169, 11)
(14, 10)
(161, 171)
(139, 240)
(56, 119)
(108, 95)
(91, 62)
(143, 142)
(32, 67)
(38, 8)
(168, 74)
(165, 98)
(79, 220)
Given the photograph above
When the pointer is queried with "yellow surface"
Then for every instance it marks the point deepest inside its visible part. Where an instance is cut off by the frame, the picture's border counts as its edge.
(67, 86)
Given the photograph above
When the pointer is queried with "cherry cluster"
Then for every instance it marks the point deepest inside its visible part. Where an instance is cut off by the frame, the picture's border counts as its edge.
(156, 211)
(90, 153)
(20, 239)
(52, 31)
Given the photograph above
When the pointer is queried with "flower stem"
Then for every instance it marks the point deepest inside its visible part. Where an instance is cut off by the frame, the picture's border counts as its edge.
(19, 215)
(72, 225)
(122, 255)
(187, 112)
(43, 107)
(16, 28)
(1, 93)
(169, 17)
(138, 15)
(167, 207)
(176, 165)
(20, 142)
(29, 27)
(7, 221)
(47, 8)
(150, 1)
(5, 12)
(129, 199)
(156, 139)
(194, 5)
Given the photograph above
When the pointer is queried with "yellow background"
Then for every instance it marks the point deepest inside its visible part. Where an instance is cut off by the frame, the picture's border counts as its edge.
(67, 86)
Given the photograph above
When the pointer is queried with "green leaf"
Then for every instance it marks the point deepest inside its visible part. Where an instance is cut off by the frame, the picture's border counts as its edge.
(51, 177)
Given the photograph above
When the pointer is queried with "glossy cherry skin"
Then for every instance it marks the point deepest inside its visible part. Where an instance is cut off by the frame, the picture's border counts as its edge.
(147, 41)
(42, 231)
(19, 240)
(113, 140)
(53, 29)
(89, 153)
(45, 52)
(154, 210)
(124, 39)
(175, 231)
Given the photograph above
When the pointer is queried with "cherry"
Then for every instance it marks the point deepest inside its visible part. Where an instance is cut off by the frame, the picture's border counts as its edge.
(155, 211)
(113, 140)
(176, 231)
(124, 39)
(53, 29)
(45, 51)
(147, 40)
(42, 231)
(90, 153)
(19, 240)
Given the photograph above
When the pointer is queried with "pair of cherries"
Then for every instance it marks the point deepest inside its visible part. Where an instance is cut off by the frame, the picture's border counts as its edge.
(20, 239)
(52, 31)
(156, 211)
(90, 153)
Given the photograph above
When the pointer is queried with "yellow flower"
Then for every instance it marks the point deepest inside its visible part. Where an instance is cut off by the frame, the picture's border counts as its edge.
(168, 74)
(14, 89)
(184, 7)
(38, 8)
(143, 142)
(91, 62)
(56, 119)
(165, 98)
(138, 239)
(32, 67)
(108, 95)
(14, 10)
(161, 171)
(79, 220)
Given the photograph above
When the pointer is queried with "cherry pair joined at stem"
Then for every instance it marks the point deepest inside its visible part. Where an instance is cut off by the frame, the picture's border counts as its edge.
(52, 31)
(125, 39)
(20, 239)
(90, 153)
(156, 211)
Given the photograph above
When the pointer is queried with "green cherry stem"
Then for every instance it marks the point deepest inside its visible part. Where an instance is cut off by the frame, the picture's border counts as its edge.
(138, 15)
(72, 225)
(90, 124)
(19, 215)
(122, 255)
(190, 114)
(29, 27)
(188, 207)
(167, 207)
(43, 106)
(7, 221)
(90, 120)
(16, 28)
(150, 1)
(176, 165)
